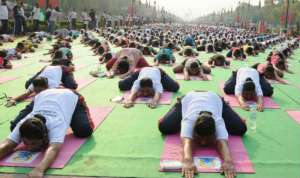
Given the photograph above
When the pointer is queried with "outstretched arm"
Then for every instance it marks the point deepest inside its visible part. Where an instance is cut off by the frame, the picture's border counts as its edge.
(188, 166)
(242, 103)
(50, 156)
(6, 147)
(22, 97)
(227, 168)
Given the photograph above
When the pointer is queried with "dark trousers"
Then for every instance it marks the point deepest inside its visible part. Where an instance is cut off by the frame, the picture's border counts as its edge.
(81, 123)
(167, 82)
(171, 122)
(36, 25)
(18, 26)
(266, 87)
(4, 27)
(24, 25)
(73, 24)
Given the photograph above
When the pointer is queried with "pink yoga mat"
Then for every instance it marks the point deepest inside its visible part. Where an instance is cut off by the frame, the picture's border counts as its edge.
(7, 79)
(69, 148)
(231, 99)
(172, 151)
(166, 99)
(294, 115)
(84, 82)
(181, 77)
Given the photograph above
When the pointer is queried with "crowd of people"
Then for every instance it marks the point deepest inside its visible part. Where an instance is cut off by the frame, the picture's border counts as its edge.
(22, 16)
(200, 116)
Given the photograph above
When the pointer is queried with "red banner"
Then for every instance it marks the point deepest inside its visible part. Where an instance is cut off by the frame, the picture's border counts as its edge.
(52, 3)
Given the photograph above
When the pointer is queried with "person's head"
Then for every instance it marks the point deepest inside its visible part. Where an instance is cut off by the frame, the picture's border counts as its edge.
(20, 47)
(101, 50)
(164, 58)
(146, 87)
(204, 129)
(40, 84)
(37, 5)
(58, 55)
(188, 52)
(194, 68)
(123, 66)
(3, 53)
(269, 72)
(34, 133)
(248, 91)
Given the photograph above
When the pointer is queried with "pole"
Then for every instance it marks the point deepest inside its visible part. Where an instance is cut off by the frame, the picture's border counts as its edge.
(287, 14)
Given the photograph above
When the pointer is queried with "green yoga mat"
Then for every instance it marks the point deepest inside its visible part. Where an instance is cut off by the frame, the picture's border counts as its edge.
(128, 143)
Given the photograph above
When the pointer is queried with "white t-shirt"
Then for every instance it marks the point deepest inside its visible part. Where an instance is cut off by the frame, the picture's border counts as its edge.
(36, 13)
(194, 103)
(54, 15)
(73, 15)
(57, 106)
(11, 53)
(53, 74)
(3, 12)
(149, 72)
(242, 75)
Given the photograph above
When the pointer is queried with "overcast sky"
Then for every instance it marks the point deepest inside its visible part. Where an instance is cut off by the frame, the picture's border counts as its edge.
(189, 9)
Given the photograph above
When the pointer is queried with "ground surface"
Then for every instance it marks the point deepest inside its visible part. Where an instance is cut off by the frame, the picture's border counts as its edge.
(128, 143)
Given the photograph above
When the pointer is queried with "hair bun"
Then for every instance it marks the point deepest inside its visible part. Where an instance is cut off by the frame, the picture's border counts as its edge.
(40, 117)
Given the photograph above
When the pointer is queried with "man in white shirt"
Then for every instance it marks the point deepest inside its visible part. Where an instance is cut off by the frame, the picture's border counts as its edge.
(35, 17)
(53, 76)
(4, 17)
(149, 82)
(44, 124)
(203, 117)
(246, 84)
(73, 18)
(55, 14)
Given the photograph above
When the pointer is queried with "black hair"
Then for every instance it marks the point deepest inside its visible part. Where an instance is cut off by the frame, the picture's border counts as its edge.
(3, 53)
(188, 52)
(58, 55)
(194, 65)
(34, 128)
(205, 125)
(20, 45)
(146, 82)
(101, 50)
(40, 82)
(249, 85)
(123, 66)
(164, 57)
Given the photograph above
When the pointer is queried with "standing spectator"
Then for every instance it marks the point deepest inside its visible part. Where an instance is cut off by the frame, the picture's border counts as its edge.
(35, 17)
(18, 19)
(48, 15)
(53, 19)
(23, 18)
(4, 17)
(73, 17)
(85, 19)
(92, 15)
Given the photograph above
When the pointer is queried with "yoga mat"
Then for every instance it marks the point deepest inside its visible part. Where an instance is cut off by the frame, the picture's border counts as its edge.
(7, 79)
(231, 99)
(294, 115)
(166, 98)
(84, 82)
(69, 148)
(181, 77)
(172, 151)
